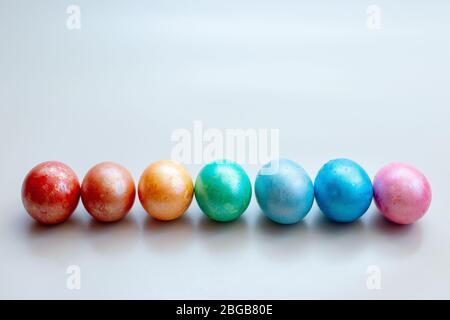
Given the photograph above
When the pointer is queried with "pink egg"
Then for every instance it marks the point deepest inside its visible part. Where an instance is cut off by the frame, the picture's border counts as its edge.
(401, 193)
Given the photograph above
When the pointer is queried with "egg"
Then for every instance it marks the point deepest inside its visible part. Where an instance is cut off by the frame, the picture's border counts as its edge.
(50, 192)
(108, 192)
(402, 193)
(223, 190)
(343, 190)
(165, 190)
(286, 193)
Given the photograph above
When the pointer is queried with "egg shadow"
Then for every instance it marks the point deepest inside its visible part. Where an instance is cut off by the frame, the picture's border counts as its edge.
(336, 240)
(393, 239)
(54, 241)
(223, 237)
(113, 237)
(37, 229)
(168, 236)
(281, 242)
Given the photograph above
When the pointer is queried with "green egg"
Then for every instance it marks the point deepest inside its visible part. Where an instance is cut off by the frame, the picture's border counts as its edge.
(223, 190)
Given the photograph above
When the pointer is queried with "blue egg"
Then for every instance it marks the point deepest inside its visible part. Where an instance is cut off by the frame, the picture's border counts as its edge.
(343, 190)
(284, 191)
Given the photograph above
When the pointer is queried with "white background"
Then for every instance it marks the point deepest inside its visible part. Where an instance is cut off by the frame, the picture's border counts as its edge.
(137, 71)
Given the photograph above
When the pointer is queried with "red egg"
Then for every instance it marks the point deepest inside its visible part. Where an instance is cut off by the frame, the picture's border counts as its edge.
(108, 192)
(50, 192)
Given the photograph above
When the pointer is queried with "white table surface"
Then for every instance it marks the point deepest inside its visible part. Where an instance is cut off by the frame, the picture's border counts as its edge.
(117, 88)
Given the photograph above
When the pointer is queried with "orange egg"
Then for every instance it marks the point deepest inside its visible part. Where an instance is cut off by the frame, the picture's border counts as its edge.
(165, 190)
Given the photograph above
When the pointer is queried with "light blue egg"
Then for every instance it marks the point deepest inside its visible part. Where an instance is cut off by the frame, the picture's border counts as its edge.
(343, 190)
(284, 191)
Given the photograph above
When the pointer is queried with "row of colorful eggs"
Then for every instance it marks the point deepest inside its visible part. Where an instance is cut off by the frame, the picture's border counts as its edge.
(283, 189)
